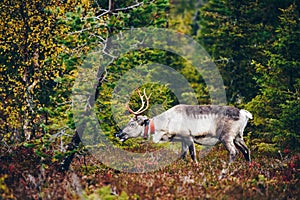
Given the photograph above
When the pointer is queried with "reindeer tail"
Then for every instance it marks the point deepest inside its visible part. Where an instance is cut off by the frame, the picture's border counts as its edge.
(246, 113)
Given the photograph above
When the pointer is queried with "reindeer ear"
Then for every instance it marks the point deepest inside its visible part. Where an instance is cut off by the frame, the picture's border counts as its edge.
(142, 120)
(139, 121)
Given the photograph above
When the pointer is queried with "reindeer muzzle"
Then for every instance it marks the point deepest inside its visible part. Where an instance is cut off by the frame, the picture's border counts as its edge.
(121, 135)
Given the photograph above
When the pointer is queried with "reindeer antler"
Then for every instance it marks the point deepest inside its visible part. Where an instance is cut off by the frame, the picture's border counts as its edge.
(142, 109)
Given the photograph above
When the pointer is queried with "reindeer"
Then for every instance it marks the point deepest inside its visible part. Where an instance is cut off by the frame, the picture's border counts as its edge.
(204, 125)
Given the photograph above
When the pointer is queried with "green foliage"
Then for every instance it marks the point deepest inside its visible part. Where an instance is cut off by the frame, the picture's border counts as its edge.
(4, 190)
(105, 193)
(277, 105)
(54, 40)
(256, 47)
(31, 67)
(234, 33)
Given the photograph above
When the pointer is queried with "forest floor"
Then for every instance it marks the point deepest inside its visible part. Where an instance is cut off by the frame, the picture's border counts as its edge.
(24, 175)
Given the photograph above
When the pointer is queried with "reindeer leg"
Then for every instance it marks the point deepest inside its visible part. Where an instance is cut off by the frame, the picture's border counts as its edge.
(183, 150)
(228, 143)
(240, 144)
(192, 151)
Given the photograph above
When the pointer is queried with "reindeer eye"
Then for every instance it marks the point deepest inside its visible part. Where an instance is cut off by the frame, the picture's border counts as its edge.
(132, 125)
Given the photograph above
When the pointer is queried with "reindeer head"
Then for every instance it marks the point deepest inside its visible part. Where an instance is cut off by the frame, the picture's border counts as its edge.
(136, 125)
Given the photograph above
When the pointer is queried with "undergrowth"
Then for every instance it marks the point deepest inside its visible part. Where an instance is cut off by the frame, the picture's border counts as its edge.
(25, 175)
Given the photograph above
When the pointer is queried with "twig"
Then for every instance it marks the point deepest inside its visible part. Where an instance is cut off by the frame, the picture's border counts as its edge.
(130, 7)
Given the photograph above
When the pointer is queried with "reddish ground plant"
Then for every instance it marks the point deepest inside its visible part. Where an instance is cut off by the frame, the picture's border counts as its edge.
(24, 175)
